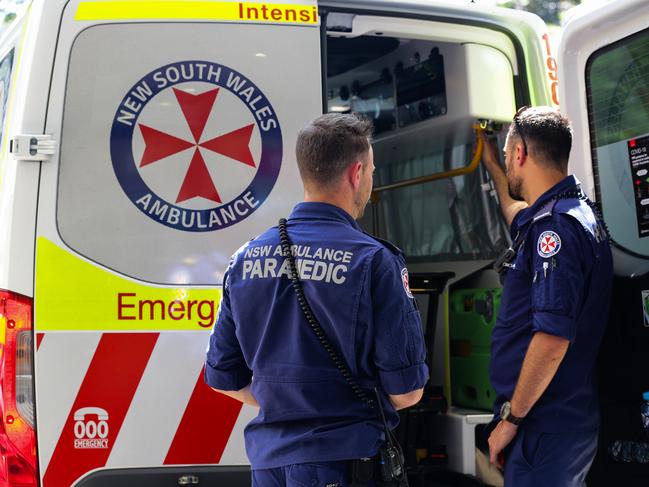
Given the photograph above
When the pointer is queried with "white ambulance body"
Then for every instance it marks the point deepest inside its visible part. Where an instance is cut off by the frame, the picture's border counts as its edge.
(143, 142)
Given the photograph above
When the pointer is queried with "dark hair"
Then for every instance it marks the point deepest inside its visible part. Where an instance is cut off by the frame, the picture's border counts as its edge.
(329, 144)
(546, 133)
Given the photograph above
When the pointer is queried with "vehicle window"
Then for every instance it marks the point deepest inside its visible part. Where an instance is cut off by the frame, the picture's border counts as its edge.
(6, 66)
(617, 80)
(415, 92)
(449, 219)
(177, 142)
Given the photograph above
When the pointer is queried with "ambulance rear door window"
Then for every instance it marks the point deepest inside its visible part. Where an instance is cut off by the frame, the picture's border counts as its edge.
(177, 142)
(6, 66)
(617, 77)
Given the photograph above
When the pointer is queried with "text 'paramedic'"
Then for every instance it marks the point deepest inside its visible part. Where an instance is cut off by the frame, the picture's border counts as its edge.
(314, 264)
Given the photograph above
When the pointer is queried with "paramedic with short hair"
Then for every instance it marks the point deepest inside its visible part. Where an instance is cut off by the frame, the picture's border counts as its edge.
(311, 428)
(554, 308)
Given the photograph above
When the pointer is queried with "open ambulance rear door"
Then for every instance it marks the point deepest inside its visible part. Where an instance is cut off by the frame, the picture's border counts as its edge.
(176, 126)
(604, 90)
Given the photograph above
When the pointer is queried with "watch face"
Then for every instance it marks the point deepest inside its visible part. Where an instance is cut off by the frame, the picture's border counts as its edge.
(505, 410)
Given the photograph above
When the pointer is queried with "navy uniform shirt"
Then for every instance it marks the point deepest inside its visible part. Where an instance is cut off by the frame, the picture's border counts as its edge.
(357, 287)
(561, 285)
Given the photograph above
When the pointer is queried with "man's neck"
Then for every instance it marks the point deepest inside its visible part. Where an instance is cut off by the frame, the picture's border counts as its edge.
(541, 183)
(332, 199)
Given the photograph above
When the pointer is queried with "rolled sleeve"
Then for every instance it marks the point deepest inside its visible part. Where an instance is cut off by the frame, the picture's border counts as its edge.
(404, 380)
(225, 366)
(558, 263)
(555, 324)
(226, 380)
(400, 352)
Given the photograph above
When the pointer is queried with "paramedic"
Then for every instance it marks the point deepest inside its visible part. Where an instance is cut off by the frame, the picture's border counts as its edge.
(553, 312)
(262, 352)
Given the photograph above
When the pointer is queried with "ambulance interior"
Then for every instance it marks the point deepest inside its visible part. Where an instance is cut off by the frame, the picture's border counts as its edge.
(426, 92)
(426, 96)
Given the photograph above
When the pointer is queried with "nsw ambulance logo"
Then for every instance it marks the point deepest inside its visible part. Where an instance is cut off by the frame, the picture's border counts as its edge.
(405, 280)
(196, 146)
(549, 244)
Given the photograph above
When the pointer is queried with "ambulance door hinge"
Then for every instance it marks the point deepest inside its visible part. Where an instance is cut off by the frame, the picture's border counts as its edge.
(32, 147)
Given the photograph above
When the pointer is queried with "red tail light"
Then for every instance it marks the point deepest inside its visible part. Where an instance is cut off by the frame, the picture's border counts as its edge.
(17, 437)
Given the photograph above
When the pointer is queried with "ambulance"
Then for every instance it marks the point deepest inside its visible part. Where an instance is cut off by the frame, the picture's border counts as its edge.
(142, 142)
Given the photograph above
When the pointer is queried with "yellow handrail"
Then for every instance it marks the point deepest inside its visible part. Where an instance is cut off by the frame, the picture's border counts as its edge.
(475, 162)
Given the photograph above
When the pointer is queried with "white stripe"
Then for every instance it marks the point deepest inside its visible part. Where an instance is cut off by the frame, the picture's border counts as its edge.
(160, 400)
(61, 364)
(235, 450)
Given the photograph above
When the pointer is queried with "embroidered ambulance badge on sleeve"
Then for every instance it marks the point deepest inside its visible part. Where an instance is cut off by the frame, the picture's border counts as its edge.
(405, 281)
(549, 244)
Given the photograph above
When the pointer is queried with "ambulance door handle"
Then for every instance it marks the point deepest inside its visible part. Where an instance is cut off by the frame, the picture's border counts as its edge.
(37, 147)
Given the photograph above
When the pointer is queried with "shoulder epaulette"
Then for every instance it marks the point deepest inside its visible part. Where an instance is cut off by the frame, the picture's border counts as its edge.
(562, 205)
(389, 245)
(545, 211)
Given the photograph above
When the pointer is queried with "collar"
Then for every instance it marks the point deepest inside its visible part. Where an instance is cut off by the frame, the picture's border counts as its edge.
(322, 211)
(566, 184)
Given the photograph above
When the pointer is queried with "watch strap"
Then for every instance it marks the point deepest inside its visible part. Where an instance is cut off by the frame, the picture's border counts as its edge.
(515, 420)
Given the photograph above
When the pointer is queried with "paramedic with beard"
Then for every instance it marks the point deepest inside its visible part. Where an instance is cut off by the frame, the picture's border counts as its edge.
(262, 351)
(553, 311)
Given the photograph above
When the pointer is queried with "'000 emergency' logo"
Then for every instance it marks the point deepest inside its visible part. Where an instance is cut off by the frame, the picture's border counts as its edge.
(188, 154)
(90, 428)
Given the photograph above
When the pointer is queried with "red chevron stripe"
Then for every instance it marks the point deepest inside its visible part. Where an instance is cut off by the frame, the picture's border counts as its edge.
(110, 384)
(39, 339)
(205, 427)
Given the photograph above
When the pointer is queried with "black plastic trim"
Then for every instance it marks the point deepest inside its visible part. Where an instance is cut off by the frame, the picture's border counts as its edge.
(323, 56)
(231, 476)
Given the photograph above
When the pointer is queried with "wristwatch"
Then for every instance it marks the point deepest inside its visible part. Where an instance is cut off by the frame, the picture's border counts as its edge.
(506, 414)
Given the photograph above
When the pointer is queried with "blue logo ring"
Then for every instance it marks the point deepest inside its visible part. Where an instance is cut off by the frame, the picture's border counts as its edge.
(219, 217)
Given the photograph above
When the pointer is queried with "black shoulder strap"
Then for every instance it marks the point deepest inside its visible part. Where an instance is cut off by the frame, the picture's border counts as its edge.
(313, 321)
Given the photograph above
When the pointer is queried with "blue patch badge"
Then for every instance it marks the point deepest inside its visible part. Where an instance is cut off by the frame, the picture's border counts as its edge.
(209, 172)
(405, 280)
(549, 244)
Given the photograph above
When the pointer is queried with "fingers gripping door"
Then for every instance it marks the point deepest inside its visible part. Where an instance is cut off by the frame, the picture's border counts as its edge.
(176, 147)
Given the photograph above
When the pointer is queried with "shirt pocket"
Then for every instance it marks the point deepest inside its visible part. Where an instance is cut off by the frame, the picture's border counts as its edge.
(548, 288)
(515, 301)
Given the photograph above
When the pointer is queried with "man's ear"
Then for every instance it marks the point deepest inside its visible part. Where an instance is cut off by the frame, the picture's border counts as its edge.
(521, 157)
(354, 173)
